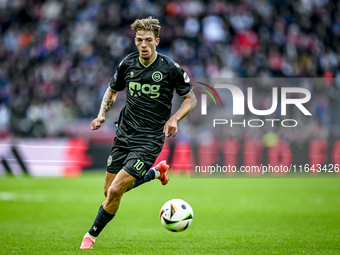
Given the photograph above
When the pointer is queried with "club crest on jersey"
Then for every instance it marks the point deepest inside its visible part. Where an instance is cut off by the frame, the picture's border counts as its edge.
(132, 74)
(157, 76)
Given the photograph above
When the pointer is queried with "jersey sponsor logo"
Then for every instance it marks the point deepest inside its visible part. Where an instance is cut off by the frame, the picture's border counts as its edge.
(157, 76)
(186, 77)
(136, 89)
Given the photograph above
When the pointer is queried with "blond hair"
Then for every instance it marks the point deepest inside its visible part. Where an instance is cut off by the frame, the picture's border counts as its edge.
(148, 24)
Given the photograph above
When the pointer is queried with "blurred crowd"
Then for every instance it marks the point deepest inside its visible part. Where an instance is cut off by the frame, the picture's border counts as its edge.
(57, 56)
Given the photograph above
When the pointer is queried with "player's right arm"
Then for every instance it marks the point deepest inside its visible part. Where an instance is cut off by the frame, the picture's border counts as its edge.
(116, 84)
(109, 99)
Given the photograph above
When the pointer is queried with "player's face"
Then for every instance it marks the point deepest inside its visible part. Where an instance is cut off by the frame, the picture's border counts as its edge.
(146, 44)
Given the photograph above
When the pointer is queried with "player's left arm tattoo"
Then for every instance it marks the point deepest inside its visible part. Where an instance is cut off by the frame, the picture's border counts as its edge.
(109, 99)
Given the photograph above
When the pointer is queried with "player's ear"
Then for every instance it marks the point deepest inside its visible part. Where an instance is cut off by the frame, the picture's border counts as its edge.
(157, 41)
(135, 41)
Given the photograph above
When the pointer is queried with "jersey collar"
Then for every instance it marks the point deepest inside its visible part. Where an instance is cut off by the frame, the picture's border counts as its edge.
(150, 63)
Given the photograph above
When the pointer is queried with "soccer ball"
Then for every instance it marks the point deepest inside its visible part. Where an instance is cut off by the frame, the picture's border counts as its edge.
(176, 215)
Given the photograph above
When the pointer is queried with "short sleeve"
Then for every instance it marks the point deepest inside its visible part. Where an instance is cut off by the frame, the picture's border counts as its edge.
(117, 83)
(180, 80)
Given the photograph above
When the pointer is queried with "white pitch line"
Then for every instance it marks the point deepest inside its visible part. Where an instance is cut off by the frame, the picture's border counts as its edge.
(42, 198)
(11, 196)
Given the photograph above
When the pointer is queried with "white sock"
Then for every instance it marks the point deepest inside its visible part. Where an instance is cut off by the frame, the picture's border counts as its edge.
(157, 173)
(93, 238)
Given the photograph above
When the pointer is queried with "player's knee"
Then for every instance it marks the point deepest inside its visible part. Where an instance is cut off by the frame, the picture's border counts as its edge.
(114, 192)
(106, 190)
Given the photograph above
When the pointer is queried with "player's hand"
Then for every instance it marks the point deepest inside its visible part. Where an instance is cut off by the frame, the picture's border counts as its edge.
(97, 123)
(170, 128)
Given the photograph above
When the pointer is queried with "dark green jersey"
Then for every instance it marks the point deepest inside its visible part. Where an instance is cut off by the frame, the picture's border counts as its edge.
(149, 91)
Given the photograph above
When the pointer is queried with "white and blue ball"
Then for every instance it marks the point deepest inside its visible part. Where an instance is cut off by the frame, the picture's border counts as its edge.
(176, 215)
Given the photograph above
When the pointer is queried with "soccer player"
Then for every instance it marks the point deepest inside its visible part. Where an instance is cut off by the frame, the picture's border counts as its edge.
(150, 79)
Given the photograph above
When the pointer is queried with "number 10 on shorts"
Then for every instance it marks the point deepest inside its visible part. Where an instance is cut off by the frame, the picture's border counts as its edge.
(139, 165)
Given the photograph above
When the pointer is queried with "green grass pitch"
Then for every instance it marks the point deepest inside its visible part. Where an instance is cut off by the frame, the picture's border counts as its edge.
(232, 216)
